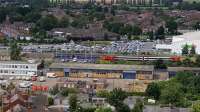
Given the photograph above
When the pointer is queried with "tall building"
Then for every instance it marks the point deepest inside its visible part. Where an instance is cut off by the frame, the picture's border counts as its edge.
(18, 68)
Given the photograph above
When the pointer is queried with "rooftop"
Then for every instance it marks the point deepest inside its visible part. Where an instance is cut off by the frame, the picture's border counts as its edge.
(19, 62)
(183, 68)
(102, 66)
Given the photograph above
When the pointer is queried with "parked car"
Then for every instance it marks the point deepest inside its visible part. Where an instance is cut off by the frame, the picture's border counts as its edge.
(33, 78)
(28, 78)
(42, 79)
(23, 77)
(25, 84)
(1, 77)
(18, 78)
(12, 78)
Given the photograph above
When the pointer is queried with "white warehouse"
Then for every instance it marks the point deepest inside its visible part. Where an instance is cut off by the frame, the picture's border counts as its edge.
(178, 42)
(19, 68)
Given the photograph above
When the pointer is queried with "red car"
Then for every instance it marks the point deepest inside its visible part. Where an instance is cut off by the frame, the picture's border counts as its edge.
(33, 78)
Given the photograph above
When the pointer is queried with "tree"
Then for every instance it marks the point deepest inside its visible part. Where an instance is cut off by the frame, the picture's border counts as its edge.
(64, 22)
(197, 26)
(172, 26)
(172, 94)
(122, 108)
(64, 92)
(32, 17)
(185, 50)
(196, 107)
(103, 109)
(126, 30)
(48, 22)
(138, 106)
(159, 64)
(103, 93)
(50, 101)
(198, 61)
(2, 15)
(116, 98)
(150, 35)
(136, 30)
(153, 90)
(54, 90)
(73, 102)
(112, 11)
(15, 51)
(160, 33)
(193, 50)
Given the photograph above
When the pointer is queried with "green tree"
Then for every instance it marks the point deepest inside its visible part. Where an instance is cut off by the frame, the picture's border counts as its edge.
(64, 22)
(116, 98)
(64, 92)
(198, 61)
(48, 22)
(103, 93)
(159, 64)
(172, 26)
(185, 50)
(196, 107)
(122, 108)
(126, 30)
(138, 107)
(187, 62)
(160, 33)
(172, 94)
(73, 103)
(153, 90)
(3, 14)
(15, 51)
(50, 101)
(193, 50)
(136, 30)
(32, 16)
(103, 109)
(54, 90)
(197, 26)
(150, 35)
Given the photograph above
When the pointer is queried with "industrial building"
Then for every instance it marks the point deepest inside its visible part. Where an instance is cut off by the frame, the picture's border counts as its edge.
(178, 42)
(172, 71)
(21, 68)
(80, 70)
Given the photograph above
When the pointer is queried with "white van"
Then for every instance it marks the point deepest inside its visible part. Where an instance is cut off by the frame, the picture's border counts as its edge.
(51, 75)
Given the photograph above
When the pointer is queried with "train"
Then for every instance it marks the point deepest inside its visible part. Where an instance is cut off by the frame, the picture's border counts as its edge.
(140, 58)
(95, 57)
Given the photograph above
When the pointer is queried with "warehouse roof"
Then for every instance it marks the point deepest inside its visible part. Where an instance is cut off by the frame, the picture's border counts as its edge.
(102, 66)
(183, 68)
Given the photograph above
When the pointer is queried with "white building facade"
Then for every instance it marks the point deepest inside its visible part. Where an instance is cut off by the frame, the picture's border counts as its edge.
(178, 42)
(18, 68)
